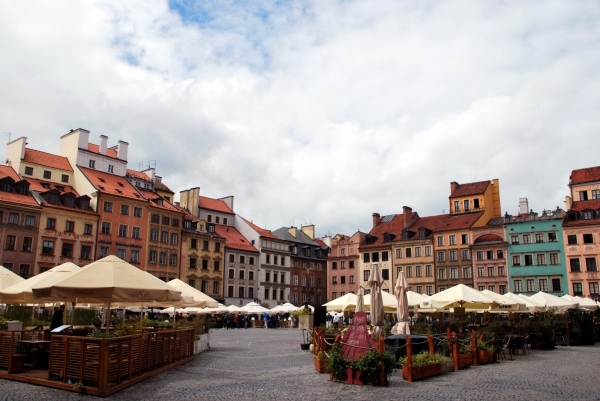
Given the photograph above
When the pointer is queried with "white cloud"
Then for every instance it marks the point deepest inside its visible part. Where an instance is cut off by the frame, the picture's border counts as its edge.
(316, 111)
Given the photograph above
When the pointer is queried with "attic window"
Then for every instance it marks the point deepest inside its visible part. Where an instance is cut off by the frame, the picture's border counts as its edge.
(137, 195)
(47, 186)
(118, 191)
(101, 179)
(101, 187)
(120, 184)
(159, 202)
(60, 189)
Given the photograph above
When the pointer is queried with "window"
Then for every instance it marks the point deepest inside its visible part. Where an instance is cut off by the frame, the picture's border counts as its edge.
(366, 275)
(295, 280)
(502, 289)
(481, 287)
(29, 170)
(24, 271)
(465, 254)
(527, 238)
(593, 287)
(166, 220)
(125, 210)
(467, 272)
(155, 218)
(217, 265)
(366, 257)
(480, 272)
(491, 271)
(134, 256)
(454, 273)
(333, 295)
(418, 271)
(217, 219)
(457, 206)
(428, 271)
(467, 204)
(47, 175)
(303, 281)
(87, 229)
(490, 255)
(500, 254)
(442, 274)
(164, 237)
(70, 226)
(541, 259)
(343, 264)
(575, 266)
(385, 273)
(441, 256)
(216, 289)
(50, 223)
(577, 289)
(419, 289)
(312, 281)
(86, 252)
(67, 250)
(453, 256)
(543, 283)
(429, 289)
(13, 218)
(107, 207)
(595, 193)
(334, 280)
(163, 258)
(92, 164)
(242, 259)
(518, 286)
(452, 239)
(122, 230)
(30, 221)
(528, 260)
(173, 259)
(174, 238)
(136, 232)
(10, 242)
(154, 234)
(464, 239)
(152, 257)
(587, 215)
(409, 252)
(514, 239)
(556, 287)
(440, 241)
(398, 253)
(205, 264)
(417, 251)
(351, 264)
(375, 257)
(104, 250)
(351, 279)
(122, 254)
(539, 237)
(501, 270)
(583, 195)
(572, 239)
(428, 251)
(408, 271)
(590, 265)
(530, 285)
(27, 241)
(193, 263)
(384, 257)
(588, 238)
(516, 259)
(479, 255)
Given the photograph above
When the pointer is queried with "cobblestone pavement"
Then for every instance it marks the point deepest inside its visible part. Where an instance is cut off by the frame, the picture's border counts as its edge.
(258, 364)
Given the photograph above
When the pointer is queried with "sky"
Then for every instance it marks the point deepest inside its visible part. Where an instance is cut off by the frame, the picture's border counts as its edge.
(316, 112)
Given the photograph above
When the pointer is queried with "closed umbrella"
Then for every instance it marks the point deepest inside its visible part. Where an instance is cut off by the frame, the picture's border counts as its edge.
(360, 300)
(375, 282)
(402, 327)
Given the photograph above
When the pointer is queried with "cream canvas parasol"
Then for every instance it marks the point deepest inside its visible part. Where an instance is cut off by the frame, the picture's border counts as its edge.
(8, 278)
(199, 299)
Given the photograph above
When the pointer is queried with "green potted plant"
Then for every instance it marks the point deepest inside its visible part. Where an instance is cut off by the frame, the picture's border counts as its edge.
(370, 366)
(321, 361)
(465, 357)
(485, 352)
(336, 364)
(423, 365)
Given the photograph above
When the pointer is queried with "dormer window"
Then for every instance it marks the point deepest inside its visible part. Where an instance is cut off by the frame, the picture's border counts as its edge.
(101, 179)
(7, 187)
(120, 184)
(159, 202)
(60, 189)
(22, 190)
(47, 186)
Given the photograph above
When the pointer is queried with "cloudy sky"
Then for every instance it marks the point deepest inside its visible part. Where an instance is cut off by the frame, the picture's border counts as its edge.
(316, 111)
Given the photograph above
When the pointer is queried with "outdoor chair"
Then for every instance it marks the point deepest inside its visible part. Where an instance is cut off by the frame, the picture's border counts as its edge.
(503, 343)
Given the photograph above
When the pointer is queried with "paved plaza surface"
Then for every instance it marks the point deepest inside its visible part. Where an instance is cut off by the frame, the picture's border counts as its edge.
(259, 364)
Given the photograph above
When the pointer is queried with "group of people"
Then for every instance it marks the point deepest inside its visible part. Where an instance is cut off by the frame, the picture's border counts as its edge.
(236, 321)
(272, 322)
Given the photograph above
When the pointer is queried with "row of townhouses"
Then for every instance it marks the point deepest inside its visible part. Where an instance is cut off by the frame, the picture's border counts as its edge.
(85, 203)
(554, 251)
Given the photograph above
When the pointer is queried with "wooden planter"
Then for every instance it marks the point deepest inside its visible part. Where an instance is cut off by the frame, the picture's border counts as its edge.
(465, 360)
(321, 365)
(484, 357)
(422, 372)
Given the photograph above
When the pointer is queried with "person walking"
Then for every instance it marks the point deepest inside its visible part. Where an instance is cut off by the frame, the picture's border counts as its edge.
(266, 320)
(336, 320)
(236, 321)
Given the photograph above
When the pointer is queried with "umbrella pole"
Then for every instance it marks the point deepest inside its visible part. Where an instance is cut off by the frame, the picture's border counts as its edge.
(141, 314)
(108, 316)
(174, 316)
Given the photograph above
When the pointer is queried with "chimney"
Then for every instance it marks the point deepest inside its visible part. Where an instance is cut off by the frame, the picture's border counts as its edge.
(569, 202)
(523, 206)
(103, 141)
(293, 231)
(309, 230)
(15, 151)
(453, 186)
(189, 199)
(407, 212)
(157, 181)
(376, 219)
(122, 150)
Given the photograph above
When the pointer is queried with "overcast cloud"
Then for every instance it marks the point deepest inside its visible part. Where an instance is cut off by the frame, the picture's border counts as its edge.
(316, 111)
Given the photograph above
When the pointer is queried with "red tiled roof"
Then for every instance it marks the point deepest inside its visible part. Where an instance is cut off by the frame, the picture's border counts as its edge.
(472, 188)
(163, 187)
(576, 223)
(47, 159)
(583, 175)
(139, 175)
(96, 149)
(73, 209)
(261, 231)
(428, 222)
(7, 171)
(36, 185)
(109, 184)
(235, 239)
(18, 199)
(488, 238)
(394, 226)
(187, 215)
(152, 196)
(580, 206)
(214, 204)
(459, 222)
(320, 242)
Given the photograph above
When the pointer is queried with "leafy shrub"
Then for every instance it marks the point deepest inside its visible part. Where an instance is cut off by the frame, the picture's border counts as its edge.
(422, 359)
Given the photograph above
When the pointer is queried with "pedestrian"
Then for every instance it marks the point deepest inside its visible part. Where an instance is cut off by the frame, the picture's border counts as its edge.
(226, 321)
(266, 320)
(236, 321)
(336, 320)
(328, 319)
(57, 318)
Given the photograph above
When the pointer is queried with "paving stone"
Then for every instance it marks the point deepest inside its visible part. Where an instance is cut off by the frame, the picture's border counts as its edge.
(259, 364)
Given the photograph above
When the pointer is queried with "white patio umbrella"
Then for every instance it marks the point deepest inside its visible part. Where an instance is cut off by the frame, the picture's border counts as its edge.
(8, 278)
(346, 302)
(505, 304)
(531, 306)
(253, 307)
(586, 303)
(403, 326)
(235, 309)
(219, 309)
(284, 308)
(414, 298)
(390, 303)
(552, 301)
(375, 282)
(459, 296)
(200, 299)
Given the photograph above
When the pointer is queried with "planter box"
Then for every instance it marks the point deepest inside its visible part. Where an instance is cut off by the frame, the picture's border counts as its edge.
(258, 323)
(202, 344)
(484, 357)
(284, 323)
(422, 372)
(465, 360)
(320, 365)
(306, 322)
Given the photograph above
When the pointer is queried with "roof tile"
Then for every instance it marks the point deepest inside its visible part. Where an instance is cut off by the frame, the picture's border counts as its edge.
(109, 184)
(472, 188)
(394, 226)
(47, 159)
(214, 204)
(459, 222)
(261, 231)
(584, 175)
(235, 239)
(96, 149)
(8, 171)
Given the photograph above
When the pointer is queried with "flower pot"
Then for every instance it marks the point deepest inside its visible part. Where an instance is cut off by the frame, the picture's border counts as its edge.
(304, 347)
(422, 372)
(484, 357)
(321, 365)
(465, 360)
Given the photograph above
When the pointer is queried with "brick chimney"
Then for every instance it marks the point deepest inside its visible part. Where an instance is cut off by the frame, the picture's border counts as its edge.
(309, 230)
(407, 212)
(376, 219)
(453, 186)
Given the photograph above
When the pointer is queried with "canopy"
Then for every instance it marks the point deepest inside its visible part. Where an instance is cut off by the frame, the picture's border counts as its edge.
(110, 279)
(220, 308)
(199, 298)
(253, 307)
(403, 326)
(532, 306)
(586, 303)
(345, 302)
(390, 303)
(21, 293)
(505, 304)
(552, 301)
(285, 308)
(459, 296)
(234, 309)
(8, 278)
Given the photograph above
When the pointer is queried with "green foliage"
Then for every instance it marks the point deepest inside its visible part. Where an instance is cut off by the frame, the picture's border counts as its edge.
(445, 349)
(83, 317)
(301, 312)
(21, 313)
(422, 359)
(482, 345)
(337, 364)
(329, 330)
(79, 387)
(421, 328)
(370, 365)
